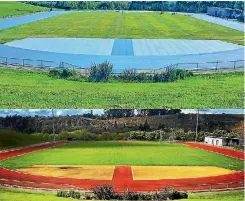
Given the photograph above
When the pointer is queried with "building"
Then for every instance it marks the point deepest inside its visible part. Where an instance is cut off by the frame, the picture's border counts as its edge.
(223, 141)
(227, 13)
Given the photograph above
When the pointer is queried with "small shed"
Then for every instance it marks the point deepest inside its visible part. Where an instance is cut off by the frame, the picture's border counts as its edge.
(223, 141)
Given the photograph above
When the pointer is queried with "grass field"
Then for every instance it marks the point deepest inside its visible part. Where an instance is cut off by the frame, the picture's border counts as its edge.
(9, 139)
(16, 195)
(117, 153)
(32, 89)
(122, 25)
(16, 8)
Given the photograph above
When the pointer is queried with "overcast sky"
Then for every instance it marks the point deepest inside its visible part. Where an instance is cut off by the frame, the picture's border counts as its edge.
(64, 112)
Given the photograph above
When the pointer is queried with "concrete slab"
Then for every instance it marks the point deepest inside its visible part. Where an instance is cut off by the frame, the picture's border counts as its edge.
(239, 26)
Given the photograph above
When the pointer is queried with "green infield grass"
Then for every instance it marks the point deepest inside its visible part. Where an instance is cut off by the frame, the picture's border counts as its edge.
(123, 153)
(32, 89)
(8, 9)
(122, 25)
(17, 195)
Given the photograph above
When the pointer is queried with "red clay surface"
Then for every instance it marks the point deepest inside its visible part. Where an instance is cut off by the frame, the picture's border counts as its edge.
(121, 180)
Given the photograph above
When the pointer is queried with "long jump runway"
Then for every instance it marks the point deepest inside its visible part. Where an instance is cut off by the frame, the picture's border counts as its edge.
(122, 177)
(123, 53)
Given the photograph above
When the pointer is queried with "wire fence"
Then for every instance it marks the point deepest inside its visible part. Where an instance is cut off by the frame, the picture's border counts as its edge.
(209, 66)
(195, 67)
(44, 65)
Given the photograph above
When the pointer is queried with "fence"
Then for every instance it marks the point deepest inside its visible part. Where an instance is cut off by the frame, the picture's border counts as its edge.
(196, 67)
(44, 65)
(210, 66)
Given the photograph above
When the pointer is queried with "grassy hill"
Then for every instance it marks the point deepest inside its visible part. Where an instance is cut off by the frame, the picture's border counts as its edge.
(10, 138)
(122, 25)
(8, 9)
(32, 89)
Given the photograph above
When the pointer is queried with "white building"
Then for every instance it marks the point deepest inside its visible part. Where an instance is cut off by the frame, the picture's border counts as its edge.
(223, 141)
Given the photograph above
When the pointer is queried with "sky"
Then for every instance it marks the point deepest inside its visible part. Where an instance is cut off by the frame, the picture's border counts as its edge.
(70, 112)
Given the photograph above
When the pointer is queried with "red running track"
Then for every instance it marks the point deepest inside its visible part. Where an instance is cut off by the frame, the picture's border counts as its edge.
(121, 180)
(220, 150)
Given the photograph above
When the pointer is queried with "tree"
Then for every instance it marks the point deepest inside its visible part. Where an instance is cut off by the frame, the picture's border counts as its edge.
(100, 72)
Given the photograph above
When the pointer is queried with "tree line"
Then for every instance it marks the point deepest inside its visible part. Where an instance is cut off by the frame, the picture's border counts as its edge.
(123, 121)
(173, 6)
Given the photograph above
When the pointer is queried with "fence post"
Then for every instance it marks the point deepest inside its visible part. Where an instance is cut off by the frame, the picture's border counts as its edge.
(217, 65)
(42, 63)
(234, 64)
(197, 66)
(6, 61)
(23, 62)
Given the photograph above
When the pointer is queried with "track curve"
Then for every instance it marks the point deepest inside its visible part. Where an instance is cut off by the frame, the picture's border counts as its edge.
(121, 180)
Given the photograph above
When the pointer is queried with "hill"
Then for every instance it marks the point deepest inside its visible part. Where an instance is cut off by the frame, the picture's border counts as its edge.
(32, 89)
(10, 138)
(9, 9)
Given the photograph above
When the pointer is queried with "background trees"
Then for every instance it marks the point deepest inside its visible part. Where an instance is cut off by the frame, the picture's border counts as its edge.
(175, 6)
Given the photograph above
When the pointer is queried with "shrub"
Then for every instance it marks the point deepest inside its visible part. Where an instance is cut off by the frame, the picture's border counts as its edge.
(101, 72)
(128, 75)
(67, 194)
(54, 73)
(104, 192)
(178, 195)
(64, 74)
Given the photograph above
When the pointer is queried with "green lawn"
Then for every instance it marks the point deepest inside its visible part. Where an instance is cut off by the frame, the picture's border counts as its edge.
(117, 153)
(126, 25)
(32, 89)
(17, 8)
(221, 196)
(16, 195)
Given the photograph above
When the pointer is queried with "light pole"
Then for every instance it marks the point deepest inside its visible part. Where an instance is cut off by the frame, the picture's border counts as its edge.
(197, 124)
(53, 124)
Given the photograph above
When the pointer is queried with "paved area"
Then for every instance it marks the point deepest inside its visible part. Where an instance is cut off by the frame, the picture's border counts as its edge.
(16, 21)
(223, 22)
(124, 47)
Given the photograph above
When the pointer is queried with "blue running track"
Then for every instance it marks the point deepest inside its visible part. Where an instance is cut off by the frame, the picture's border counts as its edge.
(16, 21)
